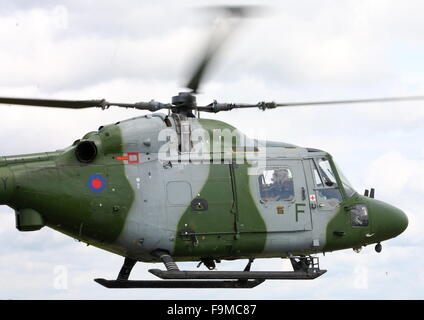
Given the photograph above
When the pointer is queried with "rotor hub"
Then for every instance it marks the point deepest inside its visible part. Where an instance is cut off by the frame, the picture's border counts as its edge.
(184, 99)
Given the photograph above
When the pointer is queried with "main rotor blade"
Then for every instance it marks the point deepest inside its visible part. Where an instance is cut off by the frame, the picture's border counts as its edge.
(225, 27)
(70, 104)
(82, 104)
(391, 99)
(217, 107)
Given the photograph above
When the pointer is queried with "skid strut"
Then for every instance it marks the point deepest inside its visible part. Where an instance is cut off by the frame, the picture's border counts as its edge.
(126, 269)
(304, 268)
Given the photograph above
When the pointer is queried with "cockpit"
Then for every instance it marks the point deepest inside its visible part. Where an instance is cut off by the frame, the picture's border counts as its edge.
(294, 180)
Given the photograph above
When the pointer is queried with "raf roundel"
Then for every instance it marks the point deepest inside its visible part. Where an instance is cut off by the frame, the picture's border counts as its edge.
(96, 183)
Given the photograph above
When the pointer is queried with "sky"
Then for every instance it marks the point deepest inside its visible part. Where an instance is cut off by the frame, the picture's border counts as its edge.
(303, 50)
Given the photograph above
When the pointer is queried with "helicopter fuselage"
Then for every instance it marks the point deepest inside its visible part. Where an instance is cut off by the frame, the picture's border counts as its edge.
(138, 186)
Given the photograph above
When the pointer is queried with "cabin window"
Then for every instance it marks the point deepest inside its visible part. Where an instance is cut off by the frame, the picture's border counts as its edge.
(276, 184)
(359, 215)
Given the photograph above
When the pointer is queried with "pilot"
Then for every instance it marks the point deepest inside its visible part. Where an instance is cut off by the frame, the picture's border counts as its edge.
(282, 186)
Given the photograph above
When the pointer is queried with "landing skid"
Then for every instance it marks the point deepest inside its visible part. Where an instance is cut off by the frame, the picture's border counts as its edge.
(240, 275)
(304, 268)
(206, 284)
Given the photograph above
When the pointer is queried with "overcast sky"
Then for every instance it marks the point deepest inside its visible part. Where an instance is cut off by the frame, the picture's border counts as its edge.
(298, 50)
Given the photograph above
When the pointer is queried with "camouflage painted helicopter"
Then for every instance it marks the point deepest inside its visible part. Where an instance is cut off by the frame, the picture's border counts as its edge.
(173, 187)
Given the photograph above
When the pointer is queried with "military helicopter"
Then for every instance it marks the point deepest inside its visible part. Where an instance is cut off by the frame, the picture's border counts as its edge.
(176, 187)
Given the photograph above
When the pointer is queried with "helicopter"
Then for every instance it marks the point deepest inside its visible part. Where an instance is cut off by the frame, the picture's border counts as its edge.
(177, 187)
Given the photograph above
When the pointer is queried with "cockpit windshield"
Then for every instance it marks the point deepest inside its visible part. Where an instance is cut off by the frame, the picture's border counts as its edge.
(346, 184)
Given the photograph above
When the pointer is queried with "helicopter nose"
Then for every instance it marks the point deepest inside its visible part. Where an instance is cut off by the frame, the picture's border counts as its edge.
(397, 222)
(389, 221)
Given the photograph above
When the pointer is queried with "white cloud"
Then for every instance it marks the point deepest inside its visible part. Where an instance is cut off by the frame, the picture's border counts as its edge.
(304, 50)
(396, 174)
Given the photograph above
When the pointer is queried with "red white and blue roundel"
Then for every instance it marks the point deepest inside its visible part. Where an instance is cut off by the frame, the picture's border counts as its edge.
(96, 183)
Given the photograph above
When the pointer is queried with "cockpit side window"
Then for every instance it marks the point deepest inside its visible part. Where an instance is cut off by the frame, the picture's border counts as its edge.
(325, 181)
(326, 172)
(276, 184)
(318, 180)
